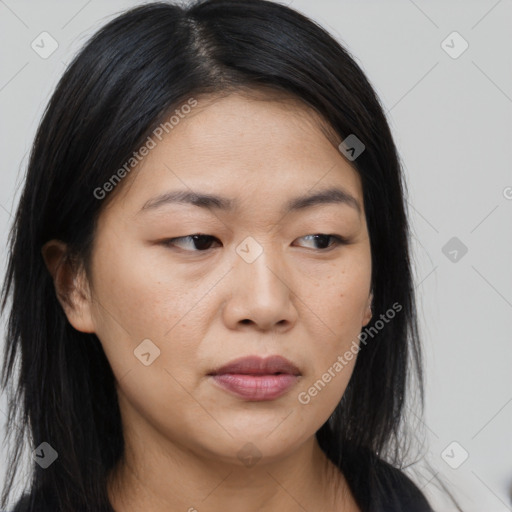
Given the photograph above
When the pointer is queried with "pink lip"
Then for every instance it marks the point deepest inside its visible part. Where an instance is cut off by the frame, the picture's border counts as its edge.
(256, 379)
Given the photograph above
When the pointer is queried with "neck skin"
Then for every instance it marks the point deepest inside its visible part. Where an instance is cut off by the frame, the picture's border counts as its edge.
(159, 476)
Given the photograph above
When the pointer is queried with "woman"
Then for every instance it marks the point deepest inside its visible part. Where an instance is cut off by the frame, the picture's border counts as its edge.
(212, 298)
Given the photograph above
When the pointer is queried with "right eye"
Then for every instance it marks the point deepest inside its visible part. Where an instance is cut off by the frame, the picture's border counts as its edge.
(199, 241)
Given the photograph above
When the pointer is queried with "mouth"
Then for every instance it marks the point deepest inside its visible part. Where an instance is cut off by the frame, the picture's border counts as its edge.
(257, 379)
(255, 365)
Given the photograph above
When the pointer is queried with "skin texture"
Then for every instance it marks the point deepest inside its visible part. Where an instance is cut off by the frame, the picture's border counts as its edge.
(183, 434)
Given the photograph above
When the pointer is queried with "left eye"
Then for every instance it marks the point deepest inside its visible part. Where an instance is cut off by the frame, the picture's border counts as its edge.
(201, 243)
(322, 240)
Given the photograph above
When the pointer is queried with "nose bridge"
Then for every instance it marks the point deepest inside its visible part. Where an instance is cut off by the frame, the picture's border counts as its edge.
(261, 290)
(261, 265)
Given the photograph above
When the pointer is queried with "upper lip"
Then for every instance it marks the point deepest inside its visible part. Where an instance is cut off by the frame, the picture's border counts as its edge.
(255, 365)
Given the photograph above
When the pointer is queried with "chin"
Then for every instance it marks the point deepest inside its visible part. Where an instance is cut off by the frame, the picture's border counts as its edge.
(252, 447)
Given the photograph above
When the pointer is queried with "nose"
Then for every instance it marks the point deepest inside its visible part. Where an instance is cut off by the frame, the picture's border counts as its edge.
(262, 296)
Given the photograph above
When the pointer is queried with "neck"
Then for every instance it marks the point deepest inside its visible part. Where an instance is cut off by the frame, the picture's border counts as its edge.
(160, 476)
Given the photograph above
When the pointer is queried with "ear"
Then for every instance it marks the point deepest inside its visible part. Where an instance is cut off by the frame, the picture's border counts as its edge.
(71, 286)
(368, 311)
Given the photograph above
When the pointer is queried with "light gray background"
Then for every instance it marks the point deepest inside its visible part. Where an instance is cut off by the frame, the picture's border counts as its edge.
(452, 122)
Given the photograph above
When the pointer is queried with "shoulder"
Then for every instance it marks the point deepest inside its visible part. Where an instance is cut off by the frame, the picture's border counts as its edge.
(22, 505)
(380, 487)
(46, 501)
(394, 491)
(33, 501)
(399, 491)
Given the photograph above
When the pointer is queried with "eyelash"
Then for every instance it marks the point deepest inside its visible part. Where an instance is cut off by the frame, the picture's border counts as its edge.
(338, 240)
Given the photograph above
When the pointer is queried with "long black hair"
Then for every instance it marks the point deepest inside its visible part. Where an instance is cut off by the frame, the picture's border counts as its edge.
(122, 84)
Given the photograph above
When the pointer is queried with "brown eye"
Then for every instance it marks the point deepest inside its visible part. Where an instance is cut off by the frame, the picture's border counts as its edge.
(323, 240)
(199, 243)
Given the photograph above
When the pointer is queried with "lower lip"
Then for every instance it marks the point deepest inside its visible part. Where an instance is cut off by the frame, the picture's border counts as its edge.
(256, 387)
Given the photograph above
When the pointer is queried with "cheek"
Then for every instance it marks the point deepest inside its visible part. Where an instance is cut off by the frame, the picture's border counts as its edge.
(324, 386)
(329, 374)
(338, 295)
(147, 294)
(340, 300)
(141, 312)
(136, 300)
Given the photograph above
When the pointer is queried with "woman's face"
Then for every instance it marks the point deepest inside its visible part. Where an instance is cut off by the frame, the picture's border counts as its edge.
(169, 313)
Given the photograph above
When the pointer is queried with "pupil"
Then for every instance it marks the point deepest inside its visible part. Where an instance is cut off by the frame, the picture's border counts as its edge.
(323, 238)
(200, 240)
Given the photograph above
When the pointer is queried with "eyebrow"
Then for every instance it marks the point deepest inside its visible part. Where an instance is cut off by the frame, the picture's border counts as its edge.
(331, 195)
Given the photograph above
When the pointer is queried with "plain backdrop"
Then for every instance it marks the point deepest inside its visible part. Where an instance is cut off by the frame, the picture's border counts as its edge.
(443, 70)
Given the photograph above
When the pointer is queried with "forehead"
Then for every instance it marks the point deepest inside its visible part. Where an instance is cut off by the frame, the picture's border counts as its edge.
(252, 143)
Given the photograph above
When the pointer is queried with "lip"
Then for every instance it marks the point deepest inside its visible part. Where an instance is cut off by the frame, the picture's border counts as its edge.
(257, 379)
(255, 365)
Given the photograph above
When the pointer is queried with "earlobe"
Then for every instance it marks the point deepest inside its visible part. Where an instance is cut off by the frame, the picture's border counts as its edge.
(368, 312)
(70, 283)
